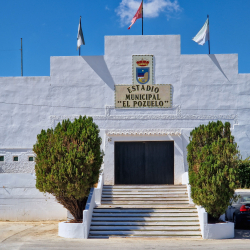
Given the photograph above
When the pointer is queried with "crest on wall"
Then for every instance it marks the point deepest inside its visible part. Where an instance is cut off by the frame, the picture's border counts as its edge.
(143, 93)
(142, 69)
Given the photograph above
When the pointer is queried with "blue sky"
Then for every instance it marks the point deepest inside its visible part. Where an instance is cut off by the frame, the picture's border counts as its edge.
(49, 28)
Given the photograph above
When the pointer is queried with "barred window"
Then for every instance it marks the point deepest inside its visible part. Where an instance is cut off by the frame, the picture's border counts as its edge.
(31, 158)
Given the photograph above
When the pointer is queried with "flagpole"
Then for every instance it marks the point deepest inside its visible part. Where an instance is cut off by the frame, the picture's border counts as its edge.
(208, 35)
(21, 57)
(142, 17)
(80, 28)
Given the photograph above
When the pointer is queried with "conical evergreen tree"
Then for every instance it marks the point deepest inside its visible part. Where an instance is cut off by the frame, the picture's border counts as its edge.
(213, 166)
(68, 161)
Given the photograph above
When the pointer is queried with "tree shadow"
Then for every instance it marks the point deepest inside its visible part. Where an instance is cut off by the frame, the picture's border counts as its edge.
(242, 234)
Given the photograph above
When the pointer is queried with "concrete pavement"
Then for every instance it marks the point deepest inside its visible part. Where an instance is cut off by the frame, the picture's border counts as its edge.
(43, 235)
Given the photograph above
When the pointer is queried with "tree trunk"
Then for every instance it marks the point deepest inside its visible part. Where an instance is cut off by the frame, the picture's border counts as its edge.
(74, 206)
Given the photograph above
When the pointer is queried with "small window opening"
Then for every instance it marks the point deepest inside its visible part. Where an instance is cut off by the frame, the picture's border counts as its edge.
(1, 158)
(15, 158)
(31, 158)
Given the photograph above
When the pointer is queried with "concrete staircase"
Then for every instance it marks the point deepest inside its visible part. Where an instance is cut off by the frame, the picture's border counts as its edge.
(145, 211)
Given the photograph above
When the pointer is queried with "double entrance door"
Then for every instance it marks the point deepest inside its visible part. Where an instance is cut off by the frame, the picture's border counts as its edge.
(148, 162)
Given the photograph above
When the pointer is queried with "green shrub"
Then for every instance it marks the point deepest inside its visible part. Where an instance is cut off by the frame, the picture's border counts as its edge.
(68, 161)
(213, 163)
(244, 173)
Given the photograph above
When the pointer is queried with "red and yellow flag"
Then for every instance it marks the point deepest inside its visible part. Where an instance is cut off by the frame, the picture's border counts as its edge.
(138, 15)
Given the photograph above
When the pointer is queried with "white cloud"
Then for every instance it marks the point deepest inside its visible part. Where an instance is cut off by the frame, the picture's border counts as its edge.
(151, 9)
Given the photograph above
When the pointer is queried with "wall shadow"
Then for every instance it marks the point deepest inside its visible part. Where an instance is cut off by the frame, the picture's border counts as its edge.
(215, 61)
(98, 64)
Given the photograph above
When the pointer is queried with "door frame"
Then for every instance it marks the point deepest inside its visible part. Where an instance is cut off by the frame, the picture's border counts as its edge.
(120, 135)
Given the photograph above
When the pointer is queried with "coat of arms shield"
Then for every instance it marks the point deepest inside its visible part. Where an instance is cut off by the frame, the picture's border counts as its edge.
(142, 75)
(142, 69)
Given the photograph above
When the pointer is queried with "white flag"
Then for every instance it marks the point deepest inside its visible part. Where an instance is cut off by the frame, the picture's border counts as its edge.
(203, 35)
(80, 38)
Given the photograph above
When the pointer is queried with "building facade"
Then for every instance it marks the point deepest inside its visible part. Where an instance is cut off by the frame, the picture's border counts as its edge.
(144, 95)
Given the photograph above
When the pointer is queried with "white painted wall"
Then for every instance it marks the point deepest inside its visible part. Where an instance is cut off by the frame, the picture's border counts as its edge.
(21, 201)
(205, 88)
(219, 231)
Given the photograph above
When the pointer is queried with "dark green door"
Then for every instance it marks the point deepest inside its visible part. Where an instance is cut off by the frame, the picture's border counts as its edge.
(149, 162)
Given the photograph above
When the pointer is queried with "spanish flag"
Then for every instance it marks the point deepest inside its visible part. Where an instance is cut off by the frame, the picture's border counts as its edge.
(138, 15)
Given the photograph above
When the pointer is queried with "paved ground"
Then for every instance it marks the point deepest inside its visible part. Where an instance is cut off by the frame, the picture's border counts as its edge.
(43, 235)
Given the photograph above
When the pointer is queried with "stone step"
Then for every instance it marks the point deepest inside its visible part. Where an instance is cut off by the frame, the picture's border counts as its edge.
(145, 199)
(145, 228)
(145, 195)
(162, 202)
(145, 206)
(145, 210)
(143, 186)
(144, 214)
(148, 223)
(144, 192)
(143, 236)
(144, 189)
(149, 232)
(153, 218)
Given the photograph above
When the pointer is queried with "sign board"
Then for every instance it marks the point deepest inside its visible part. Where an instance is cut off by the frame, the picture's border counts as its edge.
(143, 96)
(143, 93)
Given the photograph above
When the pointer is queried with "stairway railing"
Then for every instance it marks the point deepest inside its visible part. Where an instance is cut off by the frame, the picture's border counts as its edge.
(94, 199)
